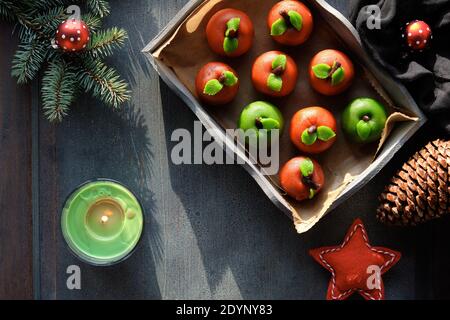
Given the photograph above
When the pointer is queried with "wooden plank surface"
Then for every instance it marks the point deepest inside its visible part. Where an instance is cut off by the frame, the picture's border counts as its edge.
(210, 231)
(15, 178)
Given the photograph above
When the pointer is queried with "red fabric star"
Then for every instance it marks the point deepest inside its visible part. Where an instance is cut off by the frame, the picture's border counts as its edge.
(355, 265)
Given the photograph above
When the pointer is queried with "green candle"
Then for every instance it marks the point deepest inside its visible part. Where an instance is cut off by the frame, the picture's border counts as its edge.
(102, 222)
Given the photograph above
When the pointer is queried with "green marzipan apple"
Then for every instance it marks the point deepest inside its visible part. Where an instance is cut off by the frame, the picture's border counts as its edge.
(261, 115)
(364, 120)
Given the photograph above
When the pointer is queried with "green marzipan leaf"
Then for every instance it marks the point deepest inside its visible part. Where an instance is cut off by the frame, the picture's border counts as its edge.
(325, 133)
(307, 167)
(309, 138)
(296, 20)
(275, 83)
(321, 70)
(338, 76)
(278, 28)
(230, 79)
(213, 87)
(269, 123)
(233, 24)
(279, 61)
(363, 129)
(312, 193)
(230, 44)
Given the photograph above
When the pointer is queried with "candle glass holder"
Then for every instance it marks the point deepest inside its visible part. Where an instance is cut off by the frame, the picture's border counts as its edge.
(102, 222)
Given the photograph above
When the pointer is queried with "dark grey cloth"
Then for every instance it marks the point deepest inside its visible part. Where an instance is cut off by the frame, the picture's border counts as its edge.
(426, 74)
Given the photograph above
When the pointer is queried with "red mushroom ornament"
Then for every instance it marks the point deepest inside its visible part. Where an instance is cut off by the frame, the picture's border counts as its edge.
(418, 35)
(72, 35)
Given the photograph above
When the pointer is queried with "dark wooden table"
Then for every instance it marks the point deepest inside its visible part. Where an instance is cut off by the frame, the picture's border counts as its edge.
(210, 231)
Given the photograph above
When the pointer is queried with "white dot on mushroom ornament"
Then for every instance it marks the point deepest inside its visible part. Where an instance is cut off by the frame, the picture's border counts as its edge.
(72, 39)
(78, 39)
(84, 46)
(63, 36)
(78, 31)
(84, 27)
(73, 49)
(420, 31)
(409, 34)
(417, 42)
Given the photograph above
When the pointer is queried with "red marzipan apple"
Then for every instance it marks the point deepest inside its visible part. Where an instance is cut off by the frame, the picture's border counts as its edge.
(313, 130)
(217, 83)
(275, 74)
(230, 33)
(331, 72)
(290, 22)
(302, 178)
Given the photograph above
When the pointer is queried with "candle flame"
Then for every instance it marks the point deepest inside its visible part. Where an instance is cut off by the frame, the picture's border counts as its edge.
(104, 219)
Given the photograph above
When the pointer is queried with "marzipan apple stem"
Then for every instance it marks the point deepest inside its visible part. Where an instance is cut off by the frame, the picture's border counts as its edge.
(312, 129)
(222, 78)
(278, 71)
(232, 34)
(310, 183)
(286, 18)
(258, 123)
(336, 65)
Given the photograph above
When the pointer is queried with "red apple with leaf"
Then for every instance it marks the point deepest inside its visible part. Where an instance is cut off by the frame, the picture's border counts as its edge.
(331, 72)
(290, 22)
(275, 74)
(302, 178)
(217, 83)
(230, 33)
(313, 130)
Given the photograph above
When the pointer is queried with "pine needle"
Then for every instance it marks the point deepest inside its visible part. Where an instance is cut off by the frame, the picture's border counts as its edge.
(103, 82)
(93, 22)
(104, 42)
(8, 9)
(28, 60)
(99, 7)
(58, 90)
(50, 20)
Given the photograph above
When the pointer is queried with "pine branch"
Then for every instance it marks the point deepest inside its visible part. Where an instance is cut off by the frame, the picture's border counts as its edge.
(51, 19)
(58, 90)
(40, 6)
(103, 82)
(104, 42)
(26, 35)
(99, 7)
(28, 60)
(92, 21)
(8, 9)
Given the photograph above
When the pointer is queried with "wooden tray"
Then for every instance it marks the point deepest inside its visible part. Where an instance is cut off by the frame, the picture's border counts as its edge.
(348, 167)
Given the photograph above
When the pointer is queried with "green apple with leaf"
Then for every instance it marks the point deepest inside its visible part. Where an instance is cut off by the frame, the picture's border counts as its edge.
(260, 115)
(364, 120)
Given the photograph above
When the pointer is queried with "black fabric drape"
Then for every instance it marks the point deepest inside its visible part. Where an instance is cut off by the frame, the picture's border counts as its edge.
(427, 74)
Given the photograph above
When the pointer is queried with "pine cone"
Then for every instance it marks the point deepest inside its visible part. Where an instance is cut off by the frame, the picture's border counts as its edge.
(420, 191)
